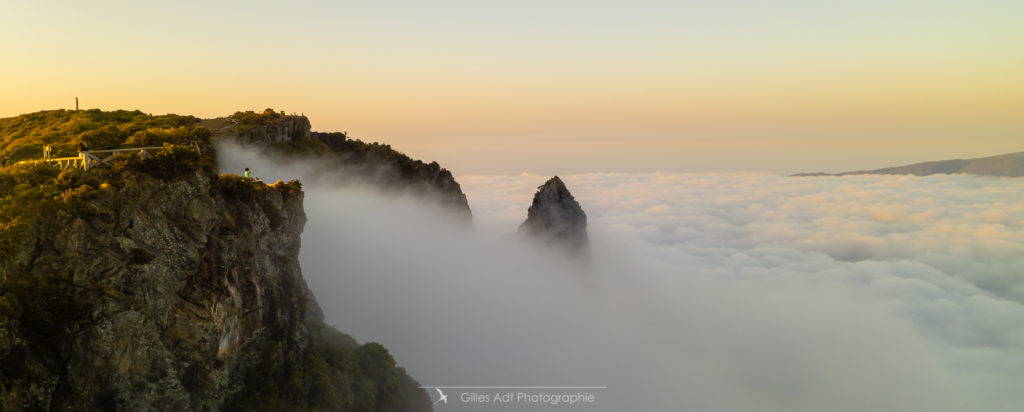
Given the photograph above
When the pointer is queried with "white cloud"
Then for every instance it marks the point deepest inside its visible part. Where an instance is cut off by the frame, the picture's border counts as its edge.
(709, 292)
(943, 253)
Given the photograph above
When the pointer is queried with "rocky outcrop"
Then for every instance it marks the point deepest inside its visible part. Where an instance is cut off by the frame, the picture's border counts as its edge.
(347, 160)
(282, 129)
(183, 293)
(556, 217)
(182, 282)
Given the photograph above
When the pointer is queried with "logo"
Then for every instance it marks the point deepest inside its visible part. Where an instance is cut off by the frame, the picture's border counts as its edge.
(550, 396)
(442, 398)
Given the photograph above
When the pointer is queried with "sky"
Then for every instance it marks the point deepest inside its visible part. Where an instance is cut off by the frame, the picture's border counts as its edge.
(704, 291)
(554, 87)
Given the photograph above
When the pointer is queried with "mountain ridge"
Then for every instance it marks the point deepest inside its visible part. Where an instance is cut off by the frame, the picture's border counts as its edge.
(1006, 165)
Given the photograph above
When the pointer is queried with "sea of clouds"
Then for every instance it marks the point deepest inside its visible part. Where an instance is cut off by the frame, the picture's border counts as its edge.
(925, 274)
(709, 292)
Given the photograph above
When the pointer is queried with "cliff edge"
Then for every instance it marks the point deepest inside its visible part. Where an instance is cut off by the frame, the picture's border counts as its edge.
(149, 282)
(343, 159)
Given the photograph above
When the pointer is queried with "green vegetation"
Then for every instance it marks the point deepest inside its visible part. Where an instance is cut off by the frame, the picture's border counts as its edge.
(41, 310)
(44, 312)
(30, 191)
(173, 161)
(337, 374)
(239, 190)
(335, 144)
(250, 117)
(270, 126)
(301, 147)
(23, 137)
(355, 152)
(46, 308)
(235, 187)
(358, 150)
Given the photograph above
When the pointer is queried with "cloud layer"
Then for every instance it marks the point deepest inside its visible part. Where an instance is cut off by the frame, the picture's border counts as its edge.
(710, 292)
(944, 253)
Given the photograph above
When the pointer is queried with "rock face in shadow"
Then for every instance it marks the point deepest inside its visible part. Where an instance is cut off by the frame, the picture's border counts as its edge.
(556, 217)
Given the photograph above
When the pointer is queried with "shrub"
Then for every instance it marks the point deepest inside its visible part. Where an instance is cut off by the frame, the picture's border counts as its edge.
(75, 200)
(335, 373)
(250, 117)
(173, 162)
(23, 137)
(11, 235)
(289, 189)
(46, 306)
(235, 187)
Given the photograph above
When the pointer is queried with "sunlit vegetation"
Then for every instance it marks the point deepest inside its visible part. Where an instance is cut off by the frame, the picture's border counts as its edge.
(42, 310)
(238, 188)
(23, 137)
(168, 163)
(250, 117)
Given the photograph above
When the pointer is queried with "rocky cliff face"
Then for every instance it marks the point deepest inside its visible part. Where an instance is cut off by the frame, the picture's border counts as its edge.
(157, 285)
(556, 217)
(282, 129)
(181, 281)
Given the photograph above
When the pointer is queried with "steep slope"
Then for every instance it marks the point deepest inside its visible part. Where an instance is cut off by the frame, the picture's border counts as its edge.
(345, 159)
(155, 284)
(1009, 165)
(556, 217)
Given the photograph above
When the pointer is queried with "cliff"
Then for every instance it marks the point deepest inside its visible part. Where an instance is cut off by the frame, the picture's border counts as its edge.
(155, 284)
(344, 159)
(556, 217)
(1008, 165)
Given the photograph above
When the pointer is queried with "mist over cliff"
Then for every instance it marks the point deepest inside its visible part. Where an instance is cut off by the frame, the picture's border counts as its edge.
(705, 292)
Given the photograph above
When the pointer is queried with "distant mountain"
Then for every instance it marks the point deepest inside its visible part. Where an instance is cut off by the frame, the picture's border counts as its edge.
(1009, 165)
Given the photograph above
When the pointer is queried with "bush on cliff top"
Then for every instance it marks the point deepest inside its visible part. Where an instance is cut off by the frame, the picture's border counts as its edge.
(235, 187)
(171, 162)
(23, 137)
(250, 117)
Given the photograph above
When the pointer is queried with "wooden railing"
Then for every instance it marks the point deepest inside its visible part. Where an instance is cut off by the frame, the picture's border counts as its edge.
(88, 159)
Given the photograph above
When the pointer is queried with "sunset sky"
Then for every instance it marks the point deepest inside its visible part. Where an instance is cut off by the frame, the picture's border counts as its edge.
(554, 87)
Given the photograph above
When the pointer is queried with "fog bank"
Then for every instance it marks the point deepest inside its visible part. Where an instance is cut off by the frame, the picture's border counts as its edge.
(717, 292)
